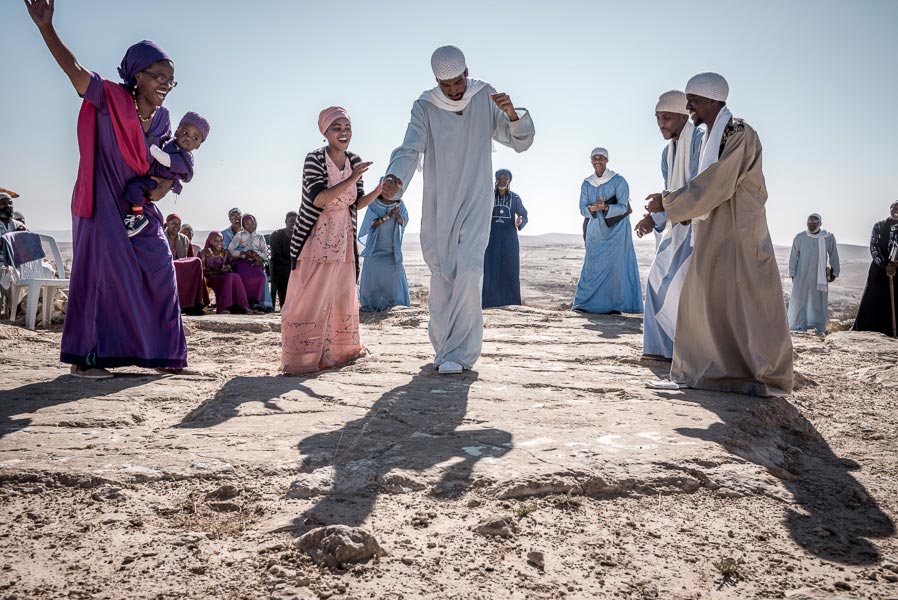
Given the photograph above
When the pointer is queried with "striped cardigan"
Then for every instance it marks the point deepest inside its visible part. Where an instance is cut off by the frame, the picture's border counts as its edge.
(314, 181)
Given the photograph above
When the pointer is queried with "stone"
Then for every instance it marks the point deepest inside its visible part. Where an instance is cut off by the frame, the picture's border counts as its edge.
(536, 559)
(497, 526)
(224, 492)
(337, 545)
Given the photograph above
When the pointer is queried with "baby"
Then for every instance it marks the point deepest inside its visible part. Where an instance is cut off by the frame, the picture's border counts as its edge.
(173, 161)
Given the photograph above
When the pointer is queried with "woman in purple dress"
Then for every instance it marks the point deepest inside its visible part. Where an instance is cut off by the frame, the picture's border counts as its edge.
(123, 300)
(230, 295)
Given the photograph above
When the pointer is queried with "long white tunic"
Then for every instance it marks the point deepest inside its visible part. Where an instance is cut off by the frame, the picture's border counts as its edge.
(809, 306)
(458, 202)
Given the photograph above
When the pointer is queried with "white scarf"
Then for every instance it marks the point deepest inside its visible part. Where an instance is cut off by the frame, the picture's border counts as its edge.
(595, 181)
(711, 145)
(822, 283)
(436, 96)
(678, 158)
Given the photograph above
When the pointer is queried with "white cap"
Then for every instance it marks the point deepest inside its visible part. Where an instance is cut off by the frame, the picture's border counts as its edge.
(709, 85)
(447, 62)
(599, 151)
(673, 101)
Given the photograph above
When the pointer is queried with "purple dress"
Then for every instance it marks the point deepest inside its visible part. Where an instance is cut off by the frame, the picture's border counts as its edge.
(123, 300)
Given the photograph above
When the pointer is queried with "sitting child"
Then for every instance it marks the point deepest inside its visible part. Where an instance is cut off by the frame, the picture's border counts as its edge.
(173, 161)
(251, 254)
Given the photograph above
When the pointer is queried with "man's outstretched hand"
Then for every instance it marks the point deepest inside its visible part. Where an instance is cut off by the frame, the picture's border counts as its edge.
(654, 204)
(390, 187)
(644, 226)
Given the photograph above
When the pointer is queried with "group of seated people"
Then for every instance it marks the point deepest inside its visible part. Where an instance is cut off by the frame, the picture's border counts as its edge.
(244, 272)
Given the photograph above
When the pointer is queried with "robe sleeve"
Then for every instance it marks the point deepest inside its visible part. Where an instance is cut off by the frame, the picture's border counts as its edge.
(262, 248)
(404, 159)
(875, 250)
(622, 191)
(181, 168)
(793, 257)
(517, 135)
(714, 186)
(403, 212)
(235, 243)
(834, 257)
(520, 211)
(367, 233)
(95, 93)
(661, 218)
(585, 202)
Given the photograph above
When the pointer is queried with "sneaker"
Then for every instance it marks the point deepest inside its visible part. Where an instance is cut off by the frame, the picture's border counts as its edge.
(134, 224)
(450, 368)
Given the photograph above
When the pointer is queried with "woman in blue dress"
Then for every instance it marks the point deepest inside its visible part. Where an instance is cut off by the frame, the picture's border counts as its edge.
(383, 284)
(502, 260)
(609, 282)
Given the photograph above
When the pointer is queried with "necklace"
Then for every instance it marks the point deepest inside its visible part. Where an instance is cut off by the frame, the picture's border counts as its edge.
(137, 109)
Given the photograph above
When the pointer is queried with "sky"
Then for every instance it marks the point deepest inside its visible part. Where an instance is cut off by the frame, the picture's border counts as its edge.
(812, 77)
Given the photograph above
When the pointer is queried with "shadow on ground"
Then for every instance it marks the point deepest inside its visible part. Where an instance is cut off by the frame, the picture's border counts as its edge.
(411, 428)
(835, 517)
(34, 397)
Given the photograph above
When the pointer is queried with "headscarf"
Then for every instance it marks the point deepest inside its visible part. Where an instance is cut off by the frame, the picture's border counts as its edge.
(138, 57)
(248, 216)
(815, 216)
(198, 121)
(673, 101)
(5, 196)
(600, 151)
(327, 117)
(448, 62)
(234, 210)
(171, 218)
(505, 172)
(209, 237)
(709, 85)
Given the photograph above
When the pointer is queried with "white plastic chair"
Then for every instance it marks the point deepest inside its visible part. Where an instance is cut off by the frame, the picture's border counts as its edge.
(33, 277)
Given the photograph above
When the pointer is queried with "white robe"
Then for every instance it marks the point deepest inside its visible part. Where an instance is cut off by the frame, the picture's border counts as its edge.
(809, 305)
(458, 202)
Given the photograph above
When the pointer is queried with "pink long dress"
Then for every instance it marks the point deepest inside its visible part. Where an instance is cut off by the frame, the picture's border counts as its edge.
(320, 320)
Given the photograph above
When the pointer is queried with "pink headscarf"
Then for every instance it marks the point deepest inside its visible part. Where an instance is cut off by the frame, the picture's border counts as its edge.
(329, 115)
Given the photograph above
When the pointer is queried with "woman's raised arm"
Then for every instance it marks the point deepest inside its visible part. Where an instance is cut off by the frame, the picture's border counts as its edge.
(41, 12)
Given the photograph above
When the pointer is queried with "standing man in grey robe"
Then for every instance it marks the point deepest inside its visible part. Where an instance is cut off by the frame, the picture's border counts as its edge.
(732, 331)
(452, 126)
(811, 249)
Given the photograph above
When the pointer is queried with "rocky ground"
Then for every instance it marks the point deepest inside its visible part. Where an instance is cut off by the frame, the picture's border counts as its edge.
(550, 472)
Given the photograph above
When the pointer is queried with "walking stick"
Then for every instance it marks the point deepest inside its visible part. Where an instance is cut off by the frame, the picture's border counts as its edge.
(892, 259)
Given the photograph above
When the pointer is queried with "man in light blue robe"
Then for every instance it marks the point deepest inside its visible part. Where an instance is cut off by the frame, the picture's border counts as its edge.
(609, 281)
(383, 283)
(453, 126)
(679, 164)
(811, 250)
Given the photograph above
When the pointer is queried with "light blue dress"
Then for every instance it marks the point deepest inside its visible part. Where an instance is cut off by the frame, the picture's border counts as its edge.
(669, 268)
(382, 284)
(609, 280)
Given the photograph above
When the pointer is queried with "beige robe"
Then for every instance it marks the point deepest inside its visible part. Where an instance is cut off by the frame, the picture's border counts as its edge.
(732, 332)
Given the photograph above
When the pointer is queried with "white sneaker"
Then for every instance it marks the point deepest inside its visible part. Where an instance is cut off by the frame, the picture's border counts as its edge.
(450, 368)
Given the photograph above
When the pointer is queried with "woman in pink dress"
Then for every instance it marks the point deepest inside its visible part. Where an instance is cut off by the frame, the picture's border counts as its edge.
(320, 319)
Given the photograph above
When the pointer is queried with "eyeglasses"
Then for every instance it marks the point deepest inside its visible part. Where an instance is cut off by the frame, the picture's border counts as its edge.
(162, 79)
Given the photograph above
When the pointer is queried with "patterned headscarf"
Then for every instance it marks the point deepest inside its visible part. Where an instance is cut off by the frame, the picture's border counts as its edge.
(209, 237)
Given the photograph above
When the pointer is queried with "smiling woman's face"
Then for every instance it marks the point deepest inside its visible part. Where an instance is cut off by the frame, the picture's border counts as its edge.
(148, 82)
(339, 134)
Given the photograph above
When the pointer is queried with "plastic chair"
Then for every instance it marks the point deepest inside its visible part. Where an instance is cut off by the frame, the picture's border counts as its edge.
(32, 276)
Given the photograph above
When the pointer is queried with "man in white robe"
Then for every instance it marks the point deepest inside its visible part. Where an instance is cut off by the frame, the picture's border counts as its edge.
(679, 164)
(811, 250)
(453, 126)
(732, 330)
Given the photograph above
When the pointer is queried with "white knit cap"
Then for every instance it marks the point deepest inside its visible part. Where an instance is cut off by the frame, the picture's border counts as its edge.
(600, 151)
(709, 85)
(447, 62)
(673, 101)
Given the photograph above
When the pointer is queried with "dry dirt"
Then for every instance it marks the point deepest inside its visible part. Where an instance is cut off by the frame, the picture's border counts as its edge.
(550, 472)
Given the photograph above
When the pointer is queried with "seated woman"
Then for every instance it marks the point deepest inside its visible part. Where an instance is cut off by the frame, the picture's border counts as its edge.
(230, 295)
(251, 253)
(192, 293)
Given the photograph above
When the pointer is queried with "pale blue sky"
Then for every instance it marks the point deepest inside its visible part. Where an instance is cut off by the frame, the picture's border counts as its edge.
(815, 78)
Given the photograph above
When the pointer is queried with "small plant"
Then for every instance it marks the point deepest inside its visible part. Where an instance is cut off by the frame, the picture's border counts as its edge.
(730, 569)
(524, 510)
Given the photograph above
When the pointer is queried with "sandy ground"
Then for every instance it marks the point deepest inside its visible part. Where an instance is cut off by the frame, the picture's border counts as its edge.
(550, 472)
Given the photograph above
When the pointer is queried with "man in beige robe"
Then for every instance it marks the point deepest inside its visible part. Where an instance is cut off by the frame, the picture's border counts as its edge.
(732, 332)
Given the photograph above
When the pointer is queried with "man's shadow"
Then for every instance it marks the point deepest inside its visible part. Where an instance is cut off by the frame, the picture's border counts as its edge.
(836, 515)
(411, 428)
(34, 397)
